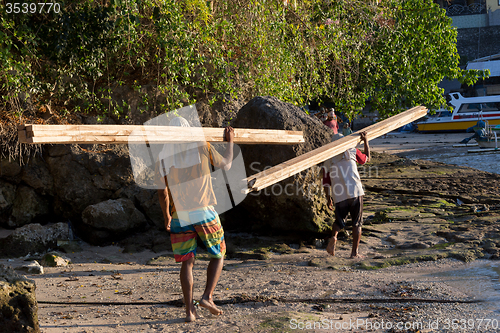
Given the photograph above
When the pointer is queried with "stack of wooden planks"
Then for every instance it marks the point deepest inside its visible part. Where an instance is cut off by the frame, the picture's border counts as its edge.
(300, 163)
(124, 134)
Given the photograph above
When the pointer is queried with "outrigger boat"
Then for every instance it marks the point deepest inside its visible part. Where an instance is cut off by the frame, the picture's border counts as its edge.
(487, 138)
(466, 112)
(491, 137)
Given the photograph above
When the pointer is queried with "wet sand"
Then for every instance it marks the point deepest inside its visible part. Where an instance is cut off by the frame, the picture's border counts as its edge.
(397, 142)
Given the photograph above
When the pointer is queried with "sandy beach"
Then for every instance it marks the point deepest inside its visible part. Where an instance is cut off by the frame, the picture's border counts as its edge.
(281, 294)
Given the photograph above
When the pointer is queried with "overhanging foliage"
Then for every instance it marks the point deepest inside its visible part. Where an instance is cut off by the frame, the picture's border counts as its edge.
(390, 52)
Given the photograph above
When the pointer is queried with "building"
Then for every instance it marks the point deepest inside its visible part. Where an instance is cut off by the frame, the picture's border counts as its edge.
(472, 13)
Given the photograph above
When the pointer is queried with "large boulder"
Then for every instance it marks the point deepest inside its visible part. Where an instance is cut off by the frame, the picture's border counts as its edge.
(110, 220)
(146, 201)
(150, 205)
(36, 175)
(18, 306)
(84, 177)
(33, 238)
(27, 207)
(9, 169)
(294, 204)
(7, 196)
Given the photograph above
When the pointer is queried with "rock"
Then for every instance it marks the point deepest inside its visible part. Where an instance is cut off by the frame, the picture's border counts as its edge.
(28, 207)
(18, 306)
(69, 246)
(110, 220)
(37, 175)
(152, 239)
(9, 168)
(294, 204)
(146, 201)
(161, 243)
(31, 268)
(413, 245)
(55, 260)
(7, 196)
(33, 238)
(58, 150)
(150, 205)
(84, 177)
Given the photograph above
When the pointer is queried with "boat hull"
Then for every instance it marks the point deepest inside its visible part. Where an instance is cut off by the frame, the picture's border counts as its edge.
(487, 144)
(451, 126)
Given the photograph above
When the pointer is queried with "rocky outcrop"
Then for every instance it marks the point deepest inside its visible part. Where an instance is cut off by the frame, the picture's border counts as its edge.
(63, 181)
(7, 196)
(110, 220)
(294, 204)
(33, 238)
(18, 306)
(85, 177)
(9, 168)
(27, 207)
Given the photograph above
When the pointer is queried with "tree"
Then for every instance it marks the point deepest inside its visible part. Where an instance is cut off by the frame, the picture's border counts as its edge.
(392, 53)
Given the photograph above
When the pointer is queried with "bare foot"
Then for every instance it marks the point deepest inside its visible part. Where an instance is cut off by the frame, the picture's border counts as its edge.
(330, 248)
(192, 316)
(209, 304)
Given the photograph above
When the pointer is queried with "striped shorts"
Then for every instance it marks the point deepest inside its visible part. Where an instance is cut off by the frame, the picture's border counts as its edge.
(207, 226)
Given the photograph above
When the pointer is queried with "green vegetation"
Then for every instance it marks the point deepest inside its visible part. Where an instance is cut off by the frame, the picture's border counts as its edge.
(86, 60)
(442, 246)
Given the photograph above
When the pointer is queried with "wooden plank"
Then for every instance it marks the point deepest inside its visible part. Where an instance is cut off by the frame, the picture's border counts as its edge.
(300, 163)
(483, 150)
(68, 134)
(457, 145)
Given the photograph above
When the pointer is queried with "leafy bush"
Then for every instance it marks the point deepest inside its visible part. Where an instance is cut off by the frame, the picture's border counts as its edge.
(392, 52)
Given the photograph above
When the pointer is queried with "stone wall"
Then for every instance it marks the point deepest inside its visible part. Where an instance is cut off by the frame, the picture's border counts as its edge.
(473, 43)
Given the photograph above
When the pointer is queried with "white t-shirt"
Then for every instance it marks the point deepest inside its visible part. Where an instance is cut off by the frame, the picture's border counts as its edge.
(344, 176)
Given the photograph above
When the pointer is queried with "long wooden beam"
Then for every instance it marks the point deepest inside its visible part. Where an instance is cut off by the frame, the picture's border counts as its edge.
(123, 134)
(300, 163)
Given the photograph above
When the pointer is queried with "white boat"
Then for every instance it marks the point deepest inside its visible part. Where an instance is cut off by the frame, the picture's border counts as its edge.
(466, 112)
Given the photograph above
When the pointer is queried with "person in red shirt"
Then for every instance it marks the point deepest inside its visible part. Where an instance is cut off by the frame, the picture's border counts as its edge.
(331, 121)
(342, 186)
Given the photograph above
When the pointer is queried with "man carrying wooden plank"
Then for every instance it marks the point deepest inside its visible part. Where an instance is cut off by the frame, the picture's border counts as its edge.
(341, 182)
(187, 187)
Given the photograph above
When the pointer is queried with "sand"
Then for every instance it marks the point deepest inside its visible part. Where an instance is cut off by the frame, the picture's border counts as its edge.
(268, 295)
